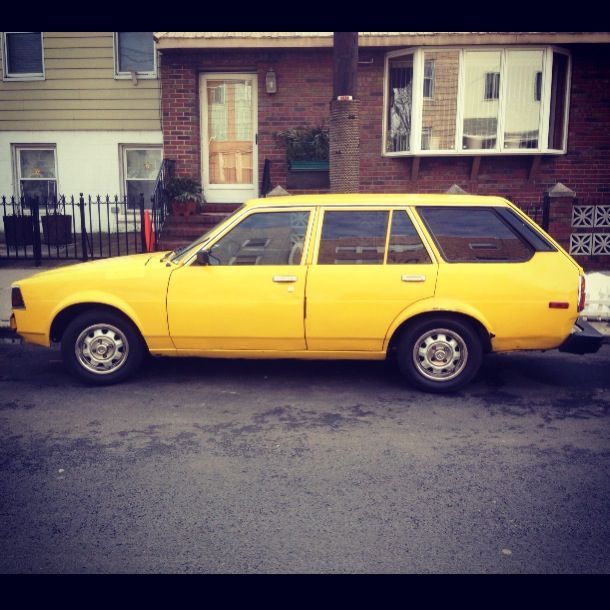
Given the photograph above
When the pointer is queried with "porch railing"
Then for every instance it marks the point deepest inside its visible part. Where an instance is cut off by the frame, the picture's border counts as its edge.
(160, 209)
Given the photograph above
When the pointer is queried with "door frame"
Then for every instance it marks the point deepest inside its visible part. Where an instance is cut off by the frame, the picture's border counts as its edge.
(230, 193)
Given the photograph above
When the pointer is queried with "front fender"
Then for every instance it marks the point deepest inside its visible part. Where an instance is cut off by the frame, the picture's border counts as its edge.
(440, 306)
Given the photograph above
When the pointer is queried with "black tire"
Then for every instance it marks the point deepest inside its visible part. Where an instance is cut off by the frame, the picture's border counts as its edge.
(439, 354)
(101, 347)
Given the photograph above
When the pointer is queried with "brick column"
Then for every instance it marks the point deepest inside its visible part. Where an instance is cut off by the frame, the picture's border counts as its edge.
(560, 202)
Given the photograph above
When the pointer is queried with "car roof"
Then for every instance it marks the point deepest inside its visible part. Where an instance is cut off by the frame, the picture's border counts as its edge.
(371, 199)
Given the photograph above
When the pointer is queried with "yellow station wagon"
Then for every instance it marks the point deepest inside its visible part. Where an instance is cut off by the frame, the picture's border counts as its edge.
(436, 280)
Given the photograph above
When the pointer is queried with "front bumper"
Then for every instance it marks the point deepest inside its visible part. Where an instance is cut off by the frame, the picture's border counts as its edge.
(584, 339)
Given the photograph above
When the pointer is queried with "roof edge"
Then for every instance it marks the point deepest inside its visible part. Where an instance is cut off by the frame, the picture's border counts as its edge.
(165, 40)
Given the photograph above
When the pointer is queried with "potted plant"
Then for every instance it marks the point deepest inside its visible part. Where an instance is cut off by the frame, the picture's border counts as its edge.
(18, 226)
(57, 225)
(307, 156)
(184, 195)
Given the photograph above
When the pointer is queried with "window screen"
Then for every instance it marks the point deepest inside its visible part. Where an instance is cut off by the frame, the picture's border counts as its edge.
(353, 238)
(474, 235)
(23, 53)
(136, 52)
(405, 245)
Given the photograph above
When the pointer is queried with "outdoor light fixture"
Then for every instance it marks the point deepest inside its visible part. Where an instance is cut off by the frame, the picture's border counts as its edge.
(271, 81)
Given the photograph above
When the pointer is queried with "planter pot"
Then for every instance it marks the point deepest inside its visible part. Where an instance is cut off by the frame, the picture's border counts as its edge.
(57, 229)
(308, 166)
(18, 231)
(308, 175)
(184, 208)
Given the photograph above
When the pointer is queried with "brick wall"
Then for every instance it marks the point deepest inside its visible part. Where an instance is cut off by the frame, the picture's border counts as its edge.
(303, 97)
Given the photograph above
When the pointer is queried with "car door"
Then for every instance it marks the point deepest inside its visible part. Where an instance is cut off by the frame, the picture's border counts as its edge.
(250, 296)
(369, 265)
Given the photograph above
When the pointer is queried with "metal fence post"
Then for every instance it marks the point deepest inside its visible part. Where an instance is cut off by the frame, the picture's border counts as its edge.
(35, 207)
(546, 212)
(142, 227)
(83, 229)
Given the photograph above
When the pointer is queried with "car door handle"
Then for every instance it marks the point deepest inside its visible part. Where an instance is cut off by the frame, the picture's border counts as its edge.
(284, 279)
(413, 278)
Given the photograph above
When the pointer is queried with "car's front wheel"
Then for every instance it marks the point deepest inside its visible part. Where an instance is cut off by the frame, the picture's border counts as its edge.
(439, 354)
(102, 347)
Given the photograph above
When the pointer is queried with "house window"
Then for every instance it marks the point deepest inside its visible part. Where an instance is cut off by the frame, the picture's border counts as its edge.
(492, 86)
(141, 167)
(538, 87)
(135, 54)
(36, 172)
(426, 135)
(22, 54)
(429, 79)
(459, 101)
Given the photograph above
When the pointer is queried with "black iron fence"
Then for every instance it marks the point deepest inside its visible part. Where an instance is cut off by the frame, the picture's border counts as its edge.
(68, 227)
(83, 227)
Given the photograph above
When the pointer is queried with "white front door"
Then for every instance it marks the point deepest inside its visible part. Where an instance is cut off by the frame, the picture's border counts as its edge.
(228, 129)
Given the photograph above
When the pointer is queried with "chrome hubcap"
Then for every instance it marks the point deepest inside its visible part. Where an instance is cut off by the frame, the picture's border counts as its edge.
(102, 348)
(440, 354)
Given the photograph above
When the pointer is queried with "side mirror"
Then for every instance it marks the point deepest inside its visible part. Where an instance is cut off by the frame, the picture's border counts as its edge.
(203, 257)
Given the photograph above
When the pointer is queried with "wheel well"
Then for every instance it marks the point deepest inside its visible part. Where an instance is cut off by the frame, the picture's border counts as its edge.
(64, 317)
(481, 331)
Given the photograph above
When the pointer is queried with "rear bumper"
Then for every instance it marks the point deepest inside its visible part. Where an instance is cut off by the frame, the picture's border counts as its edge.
(584, 339)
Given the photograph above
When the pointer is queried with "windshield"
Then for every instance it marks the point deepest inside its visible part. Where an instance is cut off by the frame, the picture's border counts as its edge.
(181, 253)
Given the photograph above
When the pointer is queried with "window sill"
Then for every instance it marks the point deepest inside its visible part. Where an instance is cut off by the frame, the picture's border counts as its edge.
(7, 78)
(139, 76)
(476, 153)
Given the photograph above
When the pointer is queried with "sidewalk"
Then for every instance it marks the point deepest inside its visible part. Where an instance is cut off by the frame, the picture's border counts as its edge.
(597, 310)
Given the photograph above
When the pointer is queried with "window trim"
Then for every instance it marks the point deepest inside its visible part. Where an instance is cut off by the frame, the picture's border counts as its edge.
(21, 76)
(118, 75)
(16, 158)
(418, 54)
(123, 148)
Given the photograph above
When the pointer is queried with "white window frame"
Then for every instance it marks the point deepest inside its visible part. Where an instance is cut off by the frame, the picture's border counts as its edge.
(130, 75)
(16, 148)
(418, 99)
(123, 148)
(21, 76)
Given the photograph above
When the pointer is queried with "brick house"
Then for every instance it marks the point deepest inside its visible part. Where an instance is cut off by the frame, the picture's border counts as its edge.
(512, 114)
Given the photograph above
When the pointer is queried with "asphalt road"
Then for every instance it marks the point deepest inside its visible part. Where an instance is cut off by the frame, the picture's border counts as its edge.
(267, 466)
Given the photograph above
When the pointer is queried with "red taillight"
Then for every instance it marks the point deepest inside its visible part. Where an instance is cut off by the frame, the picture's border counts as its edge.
(581, 294)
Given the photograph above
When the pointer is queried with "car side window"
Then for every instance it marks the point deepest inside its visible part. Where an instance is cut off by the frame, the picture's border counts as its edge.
(405, 247)
(474, 235)
(353, 238)
(263, 238)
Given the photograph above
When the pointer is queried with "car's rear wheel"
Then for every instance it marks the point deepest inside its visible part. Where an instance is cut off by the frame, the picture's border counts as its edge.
(439, 354)
(102, 347)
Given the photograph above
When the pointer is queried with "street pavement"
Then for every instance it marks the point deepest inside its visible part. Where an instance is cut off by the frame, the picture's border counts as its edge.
(232, 466)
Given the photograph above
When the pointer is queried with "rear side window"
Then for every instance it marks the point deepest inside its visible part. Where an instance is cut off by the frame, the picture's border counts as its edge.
(353, 238)
(474, 235)
(405, 247)
(536, 239)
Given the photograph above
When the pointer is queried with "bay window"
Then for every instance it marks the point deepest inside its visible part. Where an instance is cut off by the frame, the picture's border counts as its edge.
(483, 100)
